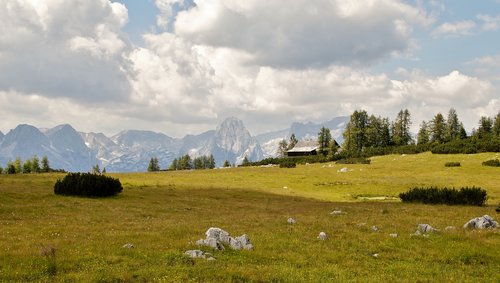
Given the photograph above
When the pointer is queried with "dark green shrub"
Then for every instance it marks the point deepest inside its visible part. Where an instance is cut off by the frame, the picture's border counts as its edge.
(434, 195)
(88, 185)
(493, 163)
(452, 164)
(288, 163)
(354, 160)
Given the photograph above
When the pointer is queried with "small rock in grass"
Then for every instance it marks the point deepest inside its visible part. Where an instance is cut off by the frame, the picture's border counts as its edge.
(210, 259)
(322, 236)
(195, 253)
(426, 228)
(375, 228)
(449, 228)
(394, 235)
(285, 187)
(336, 212)
(128, 246)
(291, 221)
(343, 170)
(375, 255)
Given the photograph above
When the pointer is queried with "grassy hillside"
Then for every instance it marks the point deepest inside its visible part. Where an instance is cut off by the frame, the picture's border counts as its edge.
(163, 214)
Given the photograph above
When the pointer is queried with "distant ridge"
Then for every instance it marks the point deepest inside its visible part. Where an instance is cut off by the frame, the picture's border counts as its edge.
(131, 150)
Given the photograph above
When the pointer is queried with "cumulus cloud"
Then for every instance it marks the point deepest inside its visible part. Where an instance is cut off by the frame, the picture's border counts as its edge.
(454, 29)
(303, 33)
(62, 48)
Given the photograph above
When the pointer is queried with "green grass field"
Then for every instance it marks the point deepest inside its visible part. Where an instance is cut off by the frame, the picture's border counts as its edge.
(164, 213)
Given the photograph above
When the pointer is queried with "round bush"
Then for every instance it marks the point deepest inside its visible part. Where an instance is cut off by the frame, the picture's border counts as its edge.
(87, 185)
(287, 163)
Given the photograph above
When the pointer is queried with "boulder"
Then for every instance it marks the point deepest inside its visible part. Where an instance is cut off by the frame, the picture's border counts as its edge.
(216, 238)
(483, 222)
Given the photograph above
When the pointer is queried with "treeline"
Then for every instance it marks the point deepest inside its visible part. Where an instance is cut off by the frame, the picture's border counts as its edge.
(33, 165)
(368, 135)
(186, 163)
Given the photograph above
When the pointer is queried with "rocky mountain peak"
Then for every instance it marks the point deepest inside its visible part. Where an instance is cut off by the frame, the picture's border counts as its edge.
(232, 135)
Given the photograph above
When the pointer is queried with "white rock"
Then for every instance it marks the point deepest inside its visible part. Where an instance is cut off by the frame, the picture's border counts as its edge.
(336, 212)
(375, 255)
(426, 228)
(449, 228)
(393, 235)
(218, 234)
(483, 222)
(291, 221)
(343, 170)
(322, 236)
(375, 228)
(211, 258)
(195, 253)
(128, 246)
(285, 187)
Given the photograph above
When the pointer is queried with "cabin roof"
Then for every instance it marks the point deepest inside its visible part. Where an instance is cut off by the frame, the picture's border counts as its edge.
(305, 146)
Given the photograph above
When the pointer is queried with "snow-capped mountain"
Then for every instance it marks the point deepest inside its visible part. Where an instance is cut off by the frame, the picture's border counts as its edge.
(62, 145)
(230, 141)
(131, 151)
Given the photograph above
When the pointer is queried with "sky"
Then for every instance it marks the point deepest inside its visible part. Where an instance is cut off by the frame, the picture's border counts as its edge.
(182, 66)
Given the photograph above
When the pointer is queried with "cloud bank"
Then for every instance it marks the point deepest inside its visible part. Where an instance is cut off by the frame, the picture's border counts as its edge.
(266, 62)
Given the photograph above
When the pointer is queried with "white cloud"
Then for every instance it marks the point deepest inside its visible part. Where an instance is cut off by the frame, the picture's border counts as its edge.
(63, 48)
(490, 23)
(303, 33)
(454, 29)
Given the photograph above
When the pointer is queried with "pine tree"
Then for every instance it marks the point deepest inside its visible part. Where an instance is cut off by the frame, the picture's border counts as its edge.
(452, 126)
(438, 129)
(423, 134)
(324, 139)
(96, 169)
(401, 128)
(227, 163)
(18, 167)
(485, 127)
(45, 164)
(245, 162)
(211, 162)
(153, 165)
(27, 166)
(35, 164)
(355, 138)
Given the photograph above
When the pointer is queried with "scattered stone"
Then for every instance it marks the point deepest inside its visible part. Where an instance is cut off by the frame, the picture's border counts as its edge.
(416, 234)
(211, 258)
(285, 187)
(426, 228)
(393, 235)
(343, 170)
(216, 238)
(361, 224)
(291, 221)
(449, 228)
(322, 236)
(128, 246)
(336, 212)
(375, 255)
(195, 253)
(483, 222)
(375, 228)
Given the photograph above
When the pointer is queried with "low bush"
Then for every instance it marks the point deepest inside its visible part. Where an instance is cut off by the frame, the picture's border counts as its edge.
(87, 185)
(434, 195)
(354, 160)
(452, 164)
(288, 163)
(493, 163)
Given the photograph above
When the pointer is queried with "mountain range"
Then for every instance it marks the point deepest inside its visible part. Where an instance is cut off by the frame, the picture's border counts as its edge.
(131, 150)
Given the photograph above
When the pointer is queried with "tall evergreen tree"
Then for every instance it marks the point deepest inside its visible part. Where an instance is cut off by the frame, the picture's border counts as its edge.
(452, 126)
(423, 134)
(355, 132)
(45, 164)
(211, 162)
(485, 127)
(27, 166)
(96, 169)
(35, 165)
(438, 129)
(226, 164)
(401, 128)
(18, 165)
(324, 139)
(245, 162)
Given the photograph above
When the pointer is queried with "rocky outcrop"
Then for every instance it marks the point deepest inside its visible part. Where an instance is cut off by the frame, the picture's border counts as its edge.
(217, 238)
(482, 222)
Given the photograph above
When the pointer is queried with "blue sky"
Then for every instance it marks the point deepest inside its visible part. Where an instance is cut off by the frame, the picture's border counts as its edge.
(180, 68)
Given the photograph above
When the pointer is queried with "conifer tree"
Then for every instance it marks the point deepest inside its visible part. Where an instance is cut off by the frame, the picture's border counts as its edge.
(45, 164)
